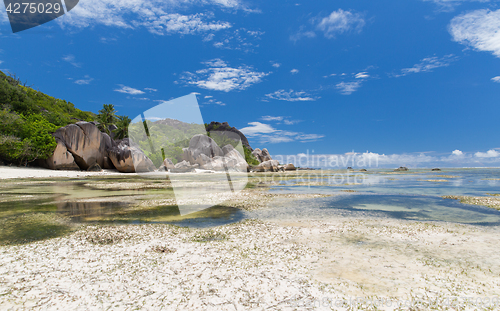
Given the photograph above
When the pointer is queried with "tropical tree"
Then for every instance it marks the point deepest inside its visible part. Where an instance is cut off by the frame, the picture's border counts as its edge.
(122, 124)
(106, 117)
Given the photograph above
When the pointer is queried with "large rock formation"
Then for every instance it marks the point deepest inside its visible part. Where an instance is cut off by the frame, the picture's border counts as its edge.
(83, 145)
(267, 166)
(217, 126)
(262, 155)
(61, 159)
(205, 152)
(129, 159)
(85, 142)
(201, 149)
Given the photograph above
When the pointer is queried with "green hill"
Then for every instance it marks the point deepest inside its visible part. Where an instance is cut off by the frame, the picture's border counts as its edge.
(27, 117)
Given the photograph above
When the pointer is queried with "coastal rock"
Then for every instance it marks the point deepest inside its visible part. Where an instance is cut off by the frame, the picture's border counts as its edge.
(271, 165)
(436, 169)
(129, 159)
(201, 145)
(61, 159)
(401, 168)
(363, 170)
(217, 126)
(85, 142)
(290, 167)
(95, 168)
(262, 155)
(234, 159)
(168, 164)
(184, 167)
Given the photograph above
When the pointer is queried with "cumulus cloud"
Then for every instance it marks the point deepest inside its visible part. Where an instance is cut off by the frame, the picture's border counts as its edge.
(291, 96)
(265, 133)
(377, 160)
(276, 65)
(84, 81)
(489, 154)
(496, 79)
(448, 5)
(220, 77)
(428, 64)
(478, 29)
(347, 88)
(128, 90)
(294, 71)
(362, 75)
(280, 119)
(158, 16)
(339, 22)
(72, 60)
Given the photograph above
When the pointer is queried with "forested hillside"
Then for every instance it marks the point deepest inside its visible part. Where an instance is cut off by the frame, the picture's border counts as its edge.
(27, 117)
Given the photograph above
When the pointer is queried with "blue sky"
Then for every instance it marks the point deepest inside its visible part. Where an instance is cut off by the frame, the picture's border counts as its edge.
(410, 80)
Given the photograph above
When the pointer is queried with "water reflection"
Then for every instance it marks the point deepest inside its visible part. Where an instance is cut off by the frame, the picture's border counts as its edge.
(408, 207)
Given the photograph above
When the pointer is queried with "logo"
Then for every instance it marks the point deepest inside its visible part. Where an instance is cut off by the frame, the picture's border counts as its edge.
(204, 168)
(26, 14)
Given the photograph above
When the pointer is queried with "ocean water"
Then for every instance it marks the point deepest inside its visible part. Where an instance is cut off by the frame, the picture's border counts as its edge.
(27, 206)
(412, 195)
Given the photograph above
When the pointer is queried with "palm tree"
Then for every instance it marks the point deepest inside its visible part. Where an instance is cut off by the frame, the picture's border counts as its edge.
(106, 117)
(122, 127)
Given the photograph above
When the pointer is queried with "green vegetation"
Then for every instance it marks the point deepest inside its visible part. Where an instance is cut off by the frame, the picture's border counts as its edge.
(164, 139)
(251, 160)
(27, 117)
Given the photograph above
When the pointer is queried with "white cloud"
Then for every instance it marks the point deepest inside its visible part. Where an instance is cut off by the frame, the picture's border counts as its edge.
(276, 65)
(149, 89)
(294, 71)
(257, 128)
(264, 133)
(489, 154)
(339, 22)
(478, 29)
(362, 75)
(271, 118)
(213, 101)
(377, 160)
(158, 16)
(457, 153)
(239, 39)
(347, 88)
(428, 64)
(87, 79)
(496, 79)
(302, 33)
(448, 5)
(291, 96)
(71, 59)
(220, 77)
(128, 90)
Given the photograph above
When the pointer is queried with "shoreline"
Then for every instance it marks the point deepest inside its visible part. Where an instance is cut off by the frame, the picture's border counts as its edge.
(9, 172)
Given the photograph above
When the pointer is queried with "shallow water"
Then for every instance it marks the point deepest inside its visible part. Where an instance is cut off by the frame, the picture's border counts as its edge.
(53, 207)
(408, 207)
(472, 182)
(412, 195)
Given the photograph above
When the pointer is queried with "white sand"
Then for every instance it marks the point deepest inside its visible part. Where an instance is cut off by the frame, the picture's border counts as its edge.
(320, 265)
(9, 172)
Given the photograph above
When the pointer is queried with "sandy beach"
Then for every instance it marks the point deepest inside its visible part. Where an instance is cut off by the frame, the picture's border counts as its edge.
(10, 172)
(332, 263)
